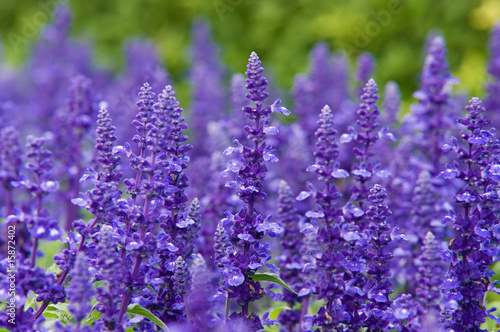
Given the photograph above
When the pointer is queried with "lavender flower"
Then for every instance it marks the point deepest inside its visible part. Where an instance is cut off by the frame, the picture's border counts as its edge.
(475, 245)
(72, 124)
(379, 287)
(367, 167)
(492, 103)
(330, 285)
(250, 225)
(102, 200)
(80, 291)
(392, 104)
(291, 259)
(10, 164)
(38, 220)
(181, 283)
(27, 280)
(432, 117)
(209, 93)
(431, 272)
(366, 66)
(142, 64)
(54, 61)
(109, 266)
(175, 178)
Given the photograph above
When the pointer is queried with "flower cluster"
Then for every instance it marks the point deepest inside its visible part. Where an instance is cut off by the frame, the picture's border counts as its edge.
(167, 228)
(475, 221)
(250, 225)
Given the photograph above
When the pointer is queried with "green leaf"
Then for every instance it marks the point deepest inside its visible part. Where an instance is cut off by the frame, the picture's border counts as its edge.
(54, 269)
(50, 315)
(61, 311)
(30, 301)
(271, 277)
(136, 309)
(98, 284)
(64, 307)
(151, 288)
(94, 317)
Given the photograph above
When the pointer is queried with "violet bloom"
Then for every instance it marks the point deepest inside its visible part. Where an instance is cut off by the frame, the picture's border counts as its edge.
(10, 164)
(162, 190)
(102, 199)
(71, 127)
(110, 271)
(341, 104)
(181, 284)
(409, 317)
(37, 219)
(200, 306)
(321, 78)
(391, 104)
(178, 223)
(431, 118)
(217, 200)
(159, 164)
(311, 93)
(105, 195)
(365, 69)
(378, 287)
(209, 92)
(80, 291)
(193, 223)
(142, 64)
(303, 101)
(367, 136)
(250, 225)
(476, 242)
(492, 102)
(292, 258)
(28, 279)
(430, 273)
(330, 285)
(53, 62)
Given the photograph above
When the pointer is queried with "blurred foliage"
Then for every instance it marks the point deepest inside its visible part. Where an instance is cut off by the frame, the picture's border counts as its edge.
(282, 32)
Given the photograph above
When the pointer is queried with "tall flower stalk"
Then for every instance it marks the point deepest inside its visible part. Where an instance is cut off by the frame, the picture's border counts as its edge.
(250, 224)
(475, 222)
(330, 285)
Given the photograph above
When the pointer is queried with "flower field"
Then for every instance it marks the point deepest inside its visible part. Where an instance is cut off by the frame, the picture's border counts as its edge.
(339, 205)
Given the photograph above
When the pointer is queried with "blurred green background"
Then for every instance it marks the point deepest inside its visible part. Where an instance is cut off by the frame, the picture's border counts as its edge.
(282, 32)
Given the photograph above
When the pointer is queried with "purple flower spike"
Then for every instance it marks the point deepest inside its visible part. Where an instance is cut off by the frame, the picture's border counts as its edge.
(492, 102)
(10, 163)
(109, 266)
(292, 260)
(102, 200)
(80, 290)
(379, 287)
(208, 88)
(430, 118)
(392, 103)
(476, 244)
(250, 225)
(256, 86)
(143, 117)
(72, 125)
(365, 137)
(329, 285)
(366, 66)
(431, 272)
(182, 281)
